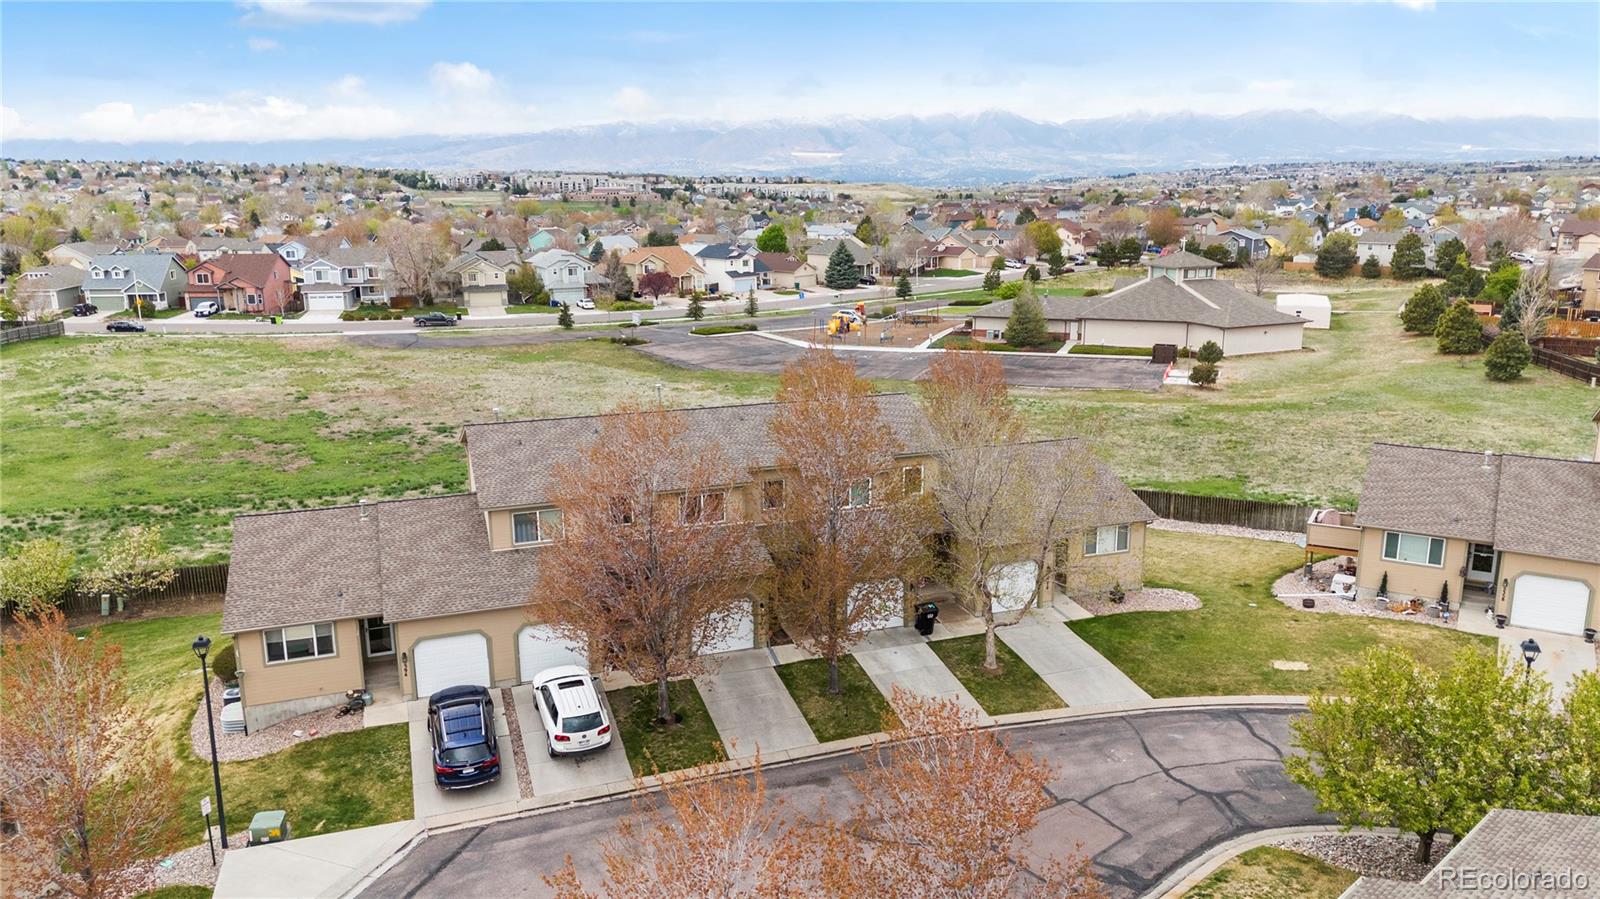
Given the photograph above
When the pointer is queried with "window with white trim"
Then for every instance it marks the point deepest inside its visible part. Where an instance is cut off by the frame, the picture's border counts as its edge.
(704, 508)
(860, 494)
(1413, 549)
(540, 526)
(911, 480)
(771, 495)
(1103, 541)
(304, 641)
(202, 277)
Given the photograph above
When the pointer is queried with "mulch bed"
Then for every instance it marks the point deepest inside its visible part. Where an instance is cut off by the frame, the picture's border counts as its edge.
(1370, 854)
(1150, 599)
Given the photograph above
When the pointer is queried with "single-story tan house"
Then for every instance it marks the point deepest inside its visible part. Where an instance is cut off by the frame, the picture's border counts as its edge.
(1520, 533)
(1180, 301)
(432, 591)
(784, 271)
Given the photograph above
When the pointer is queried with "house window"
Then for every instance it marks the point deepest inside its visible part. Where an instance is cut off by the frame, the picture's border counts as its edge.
(202, 277)
(1106, 540)
(541, 526)
(771, 495)
(911, 480)
(97, 273)
(350, 274)
(621, 511)
(704, 508)
(291, 644)
(860, 494)
(1413, 549)
(472, 277)
(372, 273)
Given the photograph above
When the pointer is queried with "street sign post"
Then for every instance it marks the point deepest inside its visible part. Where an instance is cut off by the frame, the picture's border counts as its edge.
(205, 812)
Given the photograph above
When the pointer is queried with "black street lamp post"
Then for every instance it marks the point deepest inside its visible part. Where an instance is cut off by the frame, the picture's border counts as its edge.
(201, 646)
(1530, 651)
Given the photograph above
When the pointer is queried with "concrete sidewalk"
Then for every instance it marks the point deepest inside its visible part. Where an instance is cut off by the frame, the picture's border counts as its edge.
(900, 657)
(1070, 666)
(323, 866)
(751, 707)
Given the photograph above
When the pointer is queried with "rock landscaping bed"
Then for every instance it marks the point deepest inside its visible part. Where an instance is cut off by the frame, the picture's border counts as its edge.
(192, 866)
(1227, 530)
(1150, 599)
(1393, 857)
(278, 737)
(514, 733)
(1292, 587)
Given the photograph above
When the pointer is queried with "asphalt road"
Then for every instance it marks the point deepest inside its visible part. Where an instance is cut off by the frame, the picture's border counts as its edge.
(1142, 794)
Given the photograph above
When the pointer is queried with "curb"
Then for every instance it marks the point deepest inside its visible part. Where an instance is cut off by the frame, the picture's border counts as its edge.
(1180, 881)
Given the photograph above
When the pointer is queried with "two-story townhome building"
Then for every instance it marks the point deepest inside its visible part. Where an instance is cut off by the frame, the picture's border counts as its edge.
(565, 274)
(1578, 237)
(432, 591)
(675, 261)
(730, 267)
(1516, 534)
(149, 281)
(256, 283)
(345, 278)
(481, 277)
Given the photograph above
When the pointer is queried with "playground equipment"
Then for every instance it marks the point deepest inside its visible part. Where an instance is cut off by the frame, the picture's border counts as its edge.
(844, 322)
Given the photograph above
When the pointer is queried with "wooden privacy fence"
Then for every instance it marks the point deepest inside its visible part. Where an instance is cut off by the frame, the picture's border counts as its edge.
(1581, 347)
(1562, 327)
(1244, 513)
(15, 333)
(191, 581)
(1571, 366)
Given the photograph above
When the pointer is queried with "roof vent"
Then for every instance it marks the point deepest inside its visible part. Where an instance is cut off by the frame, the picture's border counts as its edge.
(362, 505)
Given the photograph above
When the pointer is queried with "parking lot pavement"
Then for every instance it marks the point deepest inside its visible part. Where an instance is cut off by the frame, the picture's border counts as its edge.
(751, 707)
(899, 657)
(434, 806)
(550, 776)
(1069, 665)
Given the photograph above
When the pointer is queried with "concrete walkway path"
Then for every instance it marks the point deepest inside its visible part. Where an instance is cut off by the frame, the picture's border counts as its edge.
(326, 865)
(1070, 666)
(899, 656)
(751, 707)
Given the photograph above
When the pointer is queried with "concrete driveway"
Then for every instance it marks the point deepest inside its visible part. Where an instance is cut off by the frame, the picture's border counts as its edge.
(751, 707)
(436, 807)
(899, 657)
(1144, 794)
(554, 776)
(1069, 665)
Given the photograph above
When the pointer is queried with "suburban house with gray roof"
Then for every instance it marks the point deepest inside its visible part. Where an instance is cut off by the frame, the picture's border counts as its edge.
(50, 289)
(432, 592)
(1180, 301)
(344, 278)
(1518, 534)
(1509, 854)
(480, 277)
(122, 280)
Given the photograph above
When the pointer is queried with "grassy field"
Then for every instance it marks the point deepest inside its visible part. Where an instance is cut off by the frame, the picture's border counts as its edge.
(1228, 646)
(861, 709)
(692, 741)
(1268, 872)
(1014, 688)
(312, 781)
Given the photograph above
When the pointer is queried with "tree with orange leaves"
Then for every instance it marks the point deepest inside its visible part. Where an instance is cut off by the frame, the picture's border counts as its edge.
(82, 780)
(654, 554)
(844, 520)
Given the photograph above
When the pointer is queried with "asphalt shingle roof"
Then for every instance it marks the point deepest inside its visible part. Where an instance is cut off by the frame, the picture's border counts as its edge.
(1200, 301)
(1505, 843)
(148, 268)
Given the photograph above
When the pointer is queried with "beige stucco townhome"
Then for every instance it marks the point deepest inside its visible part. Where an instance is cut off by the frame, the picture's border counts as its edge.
(1520, 534)
(1180, 301)
(481, 276)
(431, 592)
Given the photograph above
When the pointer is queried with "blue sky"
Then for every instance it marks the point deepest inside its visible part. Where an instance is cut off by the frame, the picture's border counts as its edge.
(307, 69)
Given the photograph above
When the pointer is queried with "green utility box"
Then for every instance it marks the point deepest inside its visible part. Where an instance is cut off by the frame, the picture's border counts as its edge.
(269, 827)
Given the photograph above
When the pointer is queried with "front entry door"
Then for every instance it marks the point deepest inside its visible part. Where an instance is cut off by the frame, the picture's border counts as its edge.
(1481, 563)
(379, 637)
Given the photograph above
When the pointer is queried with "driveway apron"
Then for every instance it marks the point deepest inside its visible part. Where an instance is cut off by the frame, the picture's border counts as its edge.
(551, 776)
(899, 657)
(1070, 666)
(751, 707)
(429, 801)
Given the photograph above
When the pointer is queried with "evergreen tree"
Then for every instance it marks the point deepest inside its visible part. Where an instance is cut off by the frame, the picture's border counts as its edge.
(660, 239)
(564, 319)
(697, 306)
(596, 252)
(1409, 260)
(842, 273)
(1057, 263)
(1458, 331)
(1466, 281)
(492, 244)
(1217, 253)
(1446, 256)
(75, 236)
(1129, 250)
(1337, 256)
(751, 307)
(1204, 374)
(1209, 352)
(1371, 268)
(772, 239)
(1031, 274)
(1027, 326)
(902, 288)
(867, 232)
(1507, 356)
(1242, 257)
(991, 281)
(527, 285)
(622, 285)
(1026, 215)
(1192, 245)
(1422, 311)
(10, 262)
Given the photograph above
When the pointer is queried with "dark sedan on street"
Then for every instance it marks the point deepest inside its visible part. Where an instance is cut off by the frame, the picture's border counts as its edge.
(434, 320)
(123, 324)
(461, 724)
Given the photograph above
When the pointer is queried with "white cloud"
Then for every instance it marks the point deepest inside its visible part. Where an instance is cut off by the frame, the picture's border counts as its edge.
(245, 118)
(631, 100)
(306, 12)
(460, 78)
(262, 44)
(350, 87)
(1417, 5)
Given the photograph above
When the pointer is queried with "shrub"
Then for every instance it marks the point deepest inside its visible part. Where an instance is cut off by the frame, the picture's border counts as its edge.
(1209, 352)
(1117, 595)
(1422, 311)
(1204, 374)
(630, 306)
(1337, 255)
(1507, 356)
(1092, 292)
(1084, 349)
(225, 663)
(1010, 290)
(972, 301)
(565, 318)
(1459, 332)
(1371, 268)
(713, 330)
(628, 340)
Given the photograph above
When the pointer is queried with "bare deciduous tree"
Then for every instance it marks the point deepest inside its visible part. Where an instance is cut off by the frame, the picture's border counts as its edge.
(654, 554)
(135, 561)
(844, 524)
(89, 790)
(1534, 303)
(1263, 273)
(417, 254)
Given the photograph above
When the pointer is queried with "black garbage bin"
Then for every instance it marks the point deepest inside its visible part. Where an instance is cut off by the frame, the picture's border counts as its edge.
(927, 614)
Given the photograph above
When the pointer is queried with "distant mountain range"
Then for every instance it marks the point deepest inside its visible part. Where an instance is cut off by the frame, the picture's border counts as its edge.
(940, 150)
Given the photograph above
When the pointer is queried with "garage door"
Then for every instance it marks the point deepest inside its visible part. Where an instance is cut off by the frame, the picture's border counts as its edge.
(324, 302)
(540, 647)
(738, 630)
(450, 662)
(1012, 585)
(890, 611)
(1550, 604)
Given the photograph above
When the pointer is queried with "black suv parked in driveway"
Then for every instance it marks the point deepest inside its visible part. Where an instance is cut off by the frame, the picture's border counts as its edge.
(461, 723)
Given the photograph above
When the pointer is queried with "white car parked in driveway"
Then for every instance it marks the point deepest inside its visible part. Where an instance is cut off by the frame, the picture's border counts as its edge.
(574, 718)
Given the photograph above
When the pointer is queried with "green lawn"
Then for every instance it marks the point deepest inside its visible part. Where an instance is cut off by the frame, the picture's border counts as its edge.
(183, 891)
(963, 342)
(531, 309)
(1014, 688)
(332, 783)
(1228, 646)
(174, 312)
(950, 273)
(651, 747)
(1268, 872)
(859, 709)
(1084, 349)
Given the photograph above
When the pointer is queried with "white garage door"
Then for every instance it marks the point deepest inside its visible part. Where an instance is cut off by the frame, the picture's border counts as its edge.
(324, 302)
(1012, 585)
(450, 662)
(1550, 604)
(890, 610)
(540, 647)
(738, 631)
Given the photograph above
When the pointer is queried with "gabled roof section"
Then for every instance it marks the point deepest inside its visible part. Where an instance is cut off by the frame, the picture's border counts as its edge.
(148, 268)
(1437, 492)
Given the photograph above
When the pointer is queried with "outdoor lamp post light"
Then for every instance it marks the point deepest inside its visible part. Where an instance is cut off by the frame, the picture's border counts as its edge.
(1530, 651)
(201, 646)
